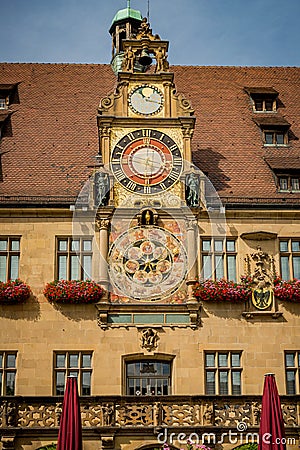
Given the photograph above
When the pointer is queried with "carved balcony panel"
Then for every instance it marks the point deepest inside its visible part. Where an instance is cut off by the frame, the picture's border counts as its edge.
(134, 412)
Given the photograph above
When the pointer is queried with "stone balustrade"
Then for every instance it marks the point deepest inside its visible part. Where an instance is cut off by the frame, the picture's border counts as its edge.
(134, 412)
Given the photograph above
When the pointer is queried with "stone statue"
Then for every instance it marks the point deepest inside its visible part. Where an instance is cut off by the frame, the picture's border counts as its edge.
(107, 414)
(101, 189)
(161, 61)
(192, 189)
(128, 62)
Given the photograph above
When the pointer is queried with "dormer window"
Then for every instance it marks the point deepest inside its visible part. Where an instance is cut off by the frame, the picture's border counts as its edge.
(288, 183)
(274, 129)
(264, 99)
(261, 104)
(3, 102)
(8, 95)
(275, 138)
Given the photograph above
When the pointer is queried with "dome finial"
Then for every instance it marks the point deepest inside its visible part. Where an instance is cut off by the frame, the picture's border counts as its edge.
(128, 4)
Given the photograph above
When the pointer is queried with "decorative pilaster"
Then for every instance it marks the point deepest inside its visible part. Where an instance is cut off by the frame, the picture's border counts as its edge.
(103, 226)
(192, 259)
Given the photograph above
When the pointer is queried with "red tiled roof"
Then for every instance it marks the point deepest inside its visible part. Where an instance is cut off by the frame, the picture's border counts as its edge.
(52, 136)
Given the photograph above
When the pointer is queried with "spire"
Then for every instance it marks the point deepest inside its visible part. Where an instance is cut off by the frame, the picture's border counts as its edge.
(125, 24)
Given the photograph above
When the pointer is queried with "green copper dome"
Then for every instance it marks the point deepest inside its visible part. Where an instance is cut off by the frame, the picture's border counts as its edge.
(126, 13)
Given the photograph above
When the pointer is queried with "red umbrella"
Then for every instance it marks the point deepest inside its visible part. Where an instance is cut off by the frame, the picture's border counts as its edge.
(271, 430)
(70, 432)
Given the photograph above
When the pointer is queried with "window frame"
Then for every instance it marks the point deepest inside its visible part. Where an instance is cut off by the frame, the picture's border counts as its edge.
(230, 368)
(9, 253)
(68, 370)
(139, 359)
(290, 254)
(69, 253)
(275, 132)
(4, 101)
(295, 369)
(213, 253)
(264, 99)
(289, 179)
(5, 369)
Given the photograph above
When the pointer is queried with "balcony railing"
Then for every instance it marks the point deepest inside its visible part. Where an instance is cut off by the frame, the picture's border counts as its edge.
(134, 412)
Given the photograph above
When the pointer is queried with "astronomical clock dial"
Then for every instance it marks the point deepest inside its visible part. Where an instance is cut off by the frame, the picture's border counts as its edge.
(146, 100)
(146, 263)
(146, 161)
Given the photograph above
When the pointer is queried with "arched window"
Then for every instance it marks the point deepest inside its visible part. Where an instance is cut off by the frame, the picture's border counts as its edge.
(148, 377)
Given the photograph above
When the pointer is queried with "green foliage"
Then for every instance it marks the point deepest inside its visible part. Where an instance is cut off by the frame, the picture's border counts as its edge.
(248, 446)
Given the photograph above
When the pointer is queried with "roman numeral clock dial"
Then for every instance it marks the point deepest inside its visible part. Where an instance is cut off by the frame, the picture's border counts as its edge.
(146, 162)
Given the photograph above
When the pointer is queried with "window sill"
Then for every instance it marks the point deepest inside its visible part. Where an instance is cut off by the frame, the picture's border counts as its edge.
(276, 145)
(264, 112)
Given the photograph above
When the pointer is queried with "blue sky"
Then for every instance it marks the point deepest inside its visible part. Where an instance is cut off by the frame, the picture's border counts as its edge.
(201, 32)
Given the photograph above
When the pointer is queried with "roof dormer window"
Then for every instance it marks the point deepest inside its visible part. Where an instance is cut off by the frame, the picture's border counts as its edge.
(3, 102)
(276, 138)
(264, 105)
(274, 129)
(288, 183)
(264, 99)
(8, 95)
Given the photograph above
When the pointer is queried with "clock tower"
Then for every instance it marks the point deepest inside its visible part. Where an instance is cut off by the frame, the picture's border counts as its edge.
(147, 218)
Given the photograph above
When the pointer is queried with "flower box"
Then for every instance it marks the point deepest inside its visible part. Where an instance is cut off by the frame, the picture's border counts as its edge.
(73, 292)
(222, 291)
(14, 291)
(287, 291)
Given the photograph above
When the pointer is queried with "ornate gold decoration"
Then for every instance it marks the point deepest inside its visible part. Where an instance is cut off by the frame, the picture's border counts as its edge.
(102, 224)
(149, 339)
(162, 64)
(145, 32)
(128, 61)
(262, 275)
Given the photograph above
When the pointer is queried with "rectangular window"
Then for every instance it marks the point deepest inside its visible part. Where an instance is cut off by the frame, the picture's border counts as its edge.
(9, 258)
(292, 372)
(223, 373)
(218, 259)
(264, 104)
(7, 373)
(289, 258)
(275, 138)
(77, 364)
(289, 183)
(3, 102)
(74, 258)
(148, 377)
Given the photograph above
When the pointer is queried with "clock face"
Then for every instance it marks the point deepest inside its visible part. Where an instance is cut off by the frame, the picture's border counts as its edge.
(146, 161)
(146, 263)
(146, 100)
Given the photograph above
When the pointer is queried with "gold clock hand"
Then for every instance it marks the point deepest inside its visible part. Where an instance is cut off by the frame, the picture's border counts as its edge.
(151, 101)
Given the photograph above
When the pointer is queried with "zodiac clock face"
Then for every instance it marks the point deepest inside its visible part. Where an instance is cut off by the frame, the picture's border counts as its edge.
(146, 161)
(146, 100)
(147, 263)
